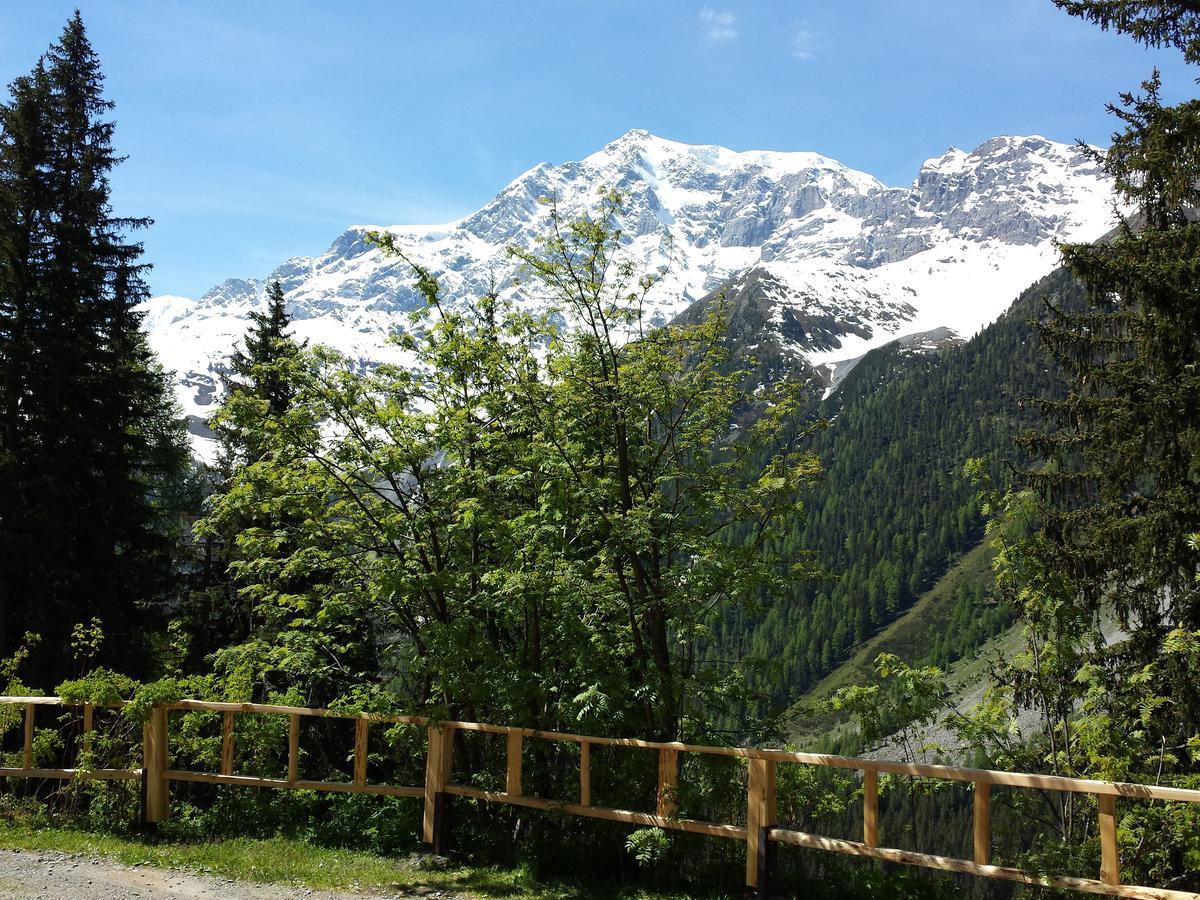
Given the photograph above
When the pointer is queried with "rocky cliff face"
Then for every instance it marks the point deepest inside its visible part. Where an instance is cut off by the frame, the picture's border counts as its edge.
(835, 261)
(1013, 190)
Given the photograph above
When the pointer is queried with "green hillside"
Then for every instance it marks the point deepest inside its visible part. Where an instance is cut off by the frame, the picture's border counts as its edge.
(893, 513)
(919, 634)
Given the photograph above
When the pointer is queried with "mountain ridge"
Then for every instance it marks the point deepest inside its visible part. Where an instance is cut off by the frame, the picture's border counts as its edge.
(860, 262)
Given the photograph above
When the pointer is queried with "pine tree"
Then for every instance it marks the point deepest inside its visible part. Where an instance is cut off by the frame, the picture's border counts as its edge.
(267, 344)
(92, 450)
(260, 388)
(259, 384)
(1124, 490)
(1129, 494)
(1116, 493)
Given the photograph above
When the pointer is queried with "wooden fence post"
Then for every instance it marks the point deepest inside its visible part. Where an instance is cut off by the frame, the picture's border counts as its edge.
(512, 784)
(871, 807)
(155, 791)
(362, 727)
(760, 818)
(668, 781)
(983, 823)
(293, 749)
(585, 774)
(227, 744)
(437, 775)
(1110, 865)
(30, 712)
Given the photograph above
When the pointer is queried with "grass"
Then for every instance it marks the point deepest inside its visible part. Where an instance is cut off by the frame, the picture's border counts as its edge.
(908, 636)
(289, 862)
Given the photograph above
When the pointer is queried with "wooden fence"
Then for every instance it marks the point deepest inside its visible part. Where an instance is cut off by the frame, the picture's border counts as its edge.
(761, 833)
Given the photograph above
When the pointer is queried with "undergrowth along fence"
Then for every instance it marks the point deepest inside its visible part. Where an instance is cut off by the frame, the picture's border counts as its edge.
(761, 833)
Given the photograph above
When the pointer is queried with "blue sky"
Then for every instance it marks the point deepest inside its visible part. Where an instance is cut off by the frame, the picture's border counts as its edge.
(258, 131)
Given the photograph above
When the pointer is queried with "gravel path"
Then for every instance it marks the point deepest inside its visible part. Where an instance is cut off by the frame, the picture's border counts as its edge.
(60, 876)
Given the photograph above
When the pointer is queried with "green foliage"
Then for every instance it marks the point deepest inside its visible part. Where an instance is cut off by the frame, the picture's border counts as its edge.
(100, 686)
(904, 699)
(648, 845)
(529, 523)
(147, 696)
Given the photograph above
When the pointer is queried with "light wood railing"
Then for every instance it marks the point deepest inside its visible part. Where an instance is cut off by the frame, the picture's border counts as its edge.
(761, 833)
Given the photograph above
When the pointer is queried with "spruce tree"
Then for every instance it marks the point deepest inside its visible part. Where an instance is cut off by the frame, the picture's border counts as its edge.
(259, 384)
(1124, 487)
(259, 390)
(1128, 495)
(92, 451)
(1104, 531)
(267, 344)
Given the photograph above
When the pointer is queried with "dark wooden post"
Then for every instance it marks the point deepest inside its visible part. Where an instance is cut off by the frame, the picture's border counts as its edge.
(437, 776)
(760, 819)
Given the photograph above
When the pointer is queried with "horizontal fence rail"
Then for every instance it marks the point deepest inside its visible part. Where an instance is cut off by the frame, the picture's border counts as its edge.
(87, 711)
(761, 832)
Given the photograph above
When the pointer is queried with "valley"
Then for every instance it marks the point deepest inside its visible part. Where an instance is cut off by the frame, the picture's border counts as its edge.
(667, 518)
(898, 307)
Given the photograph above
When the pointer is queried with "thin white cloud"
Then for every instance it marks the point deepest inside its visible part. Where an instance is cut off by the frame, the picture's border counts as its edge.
(721, 26)
(804, 45)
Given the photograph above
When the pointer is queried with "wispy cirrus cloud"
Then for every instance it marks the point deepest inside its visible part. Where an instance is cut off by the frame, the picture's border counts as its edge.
(805, 44)
(720, 26)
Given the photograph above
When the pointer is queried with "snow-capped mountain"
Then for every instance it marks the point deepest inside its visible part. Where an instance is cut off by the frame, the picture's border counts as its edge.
(841, 262)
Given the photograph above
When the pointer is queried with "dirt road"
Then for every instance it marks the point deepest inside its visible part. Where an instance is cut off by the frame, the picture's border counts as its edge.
(58, 876)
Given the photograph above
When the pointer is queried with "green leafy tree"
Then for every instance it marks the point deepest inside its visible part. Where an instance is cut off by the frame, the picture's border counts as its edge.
(893, 710)
(92, 450)
(527, 523)
(683, 515)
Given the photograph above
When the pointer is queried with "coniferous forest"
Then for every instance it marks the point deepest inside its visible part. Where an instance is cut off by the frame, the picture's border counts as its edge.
(591, 522)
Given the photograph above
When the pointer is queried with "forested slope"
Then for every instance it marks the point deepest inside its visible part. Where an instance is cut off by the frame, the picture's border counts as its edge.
(893, 510)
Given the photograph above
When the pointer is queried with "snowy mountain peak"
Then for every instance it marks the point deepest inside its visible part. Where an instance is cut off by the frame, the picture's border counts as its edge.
(679, 161)
(830, 245)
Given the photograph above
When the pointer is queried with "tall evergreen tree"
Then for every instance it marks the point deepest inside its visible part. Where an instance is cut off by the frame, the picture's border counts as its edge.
(267, 344)
(259, 385)
(259, 390)
(1124, 490)
(91, 449)
(1116, 494)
